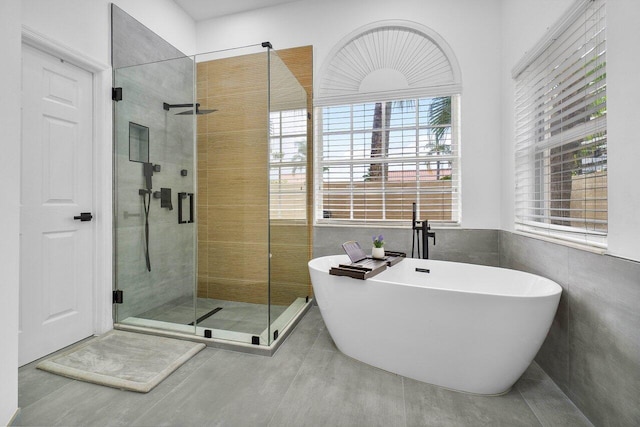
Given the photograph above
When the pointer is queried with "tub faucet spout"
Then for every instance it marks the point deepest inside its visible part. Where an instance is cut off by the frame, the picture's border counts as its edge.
(426, 233)
(422, 231)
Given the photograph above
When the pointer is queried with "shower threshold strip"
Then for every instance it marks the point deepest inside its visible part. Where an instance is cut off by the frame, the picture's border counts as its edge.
(206, 316)
(182, 328)
(230, 340)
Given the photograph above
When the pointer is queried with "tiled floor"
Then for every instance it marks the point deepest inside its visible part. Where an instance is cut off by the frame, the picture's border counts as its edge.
(308, 382)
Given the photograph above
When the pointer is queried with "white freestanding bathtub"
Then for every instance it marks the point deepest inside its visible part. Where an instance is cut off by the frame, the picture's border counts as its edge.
(465, 327)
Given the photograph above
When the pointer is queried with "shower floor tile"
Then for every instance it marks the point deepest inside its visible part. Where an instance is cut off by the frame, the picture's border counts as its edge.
(234, 316)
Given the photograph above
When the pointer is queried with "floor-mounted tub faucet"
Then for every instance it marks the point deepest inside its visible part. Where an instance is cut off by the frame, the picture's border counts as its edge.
(421, 231)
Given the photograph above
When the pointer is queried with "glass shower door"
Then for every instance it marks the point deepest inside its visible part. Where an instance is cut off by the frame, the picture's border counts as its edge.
(154, 197)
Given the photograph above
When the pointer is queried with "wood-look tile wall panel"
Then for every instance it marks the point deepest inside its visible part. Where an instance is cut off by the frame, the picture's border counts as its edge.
(231, 289)
(232, 223)
(233, 153)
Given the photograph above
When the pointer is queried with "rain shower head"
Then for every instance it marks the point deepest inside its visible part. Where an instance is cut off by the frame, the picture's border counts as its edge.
(197, 110)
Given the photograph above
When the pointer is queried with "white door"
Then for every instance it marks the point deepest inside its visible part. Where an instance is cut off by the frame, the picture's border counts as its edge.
(56, 251)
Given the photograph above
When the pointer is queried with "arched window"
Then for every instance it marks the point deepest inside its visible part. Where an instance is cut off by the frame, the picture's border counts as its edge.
(387, 127)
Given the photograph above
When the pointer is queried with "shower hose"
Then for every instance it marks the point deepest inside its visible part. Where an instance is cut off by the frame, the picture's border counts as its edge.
(147, 205)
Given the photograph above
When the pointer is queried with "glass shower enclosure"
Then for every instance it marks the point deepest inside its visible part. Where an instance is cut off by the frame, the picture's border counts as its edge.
(210, 196)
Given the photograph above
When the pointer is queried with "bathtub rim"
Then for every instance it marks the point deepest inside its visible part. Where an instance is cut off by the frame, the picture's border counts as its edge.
(556, 292)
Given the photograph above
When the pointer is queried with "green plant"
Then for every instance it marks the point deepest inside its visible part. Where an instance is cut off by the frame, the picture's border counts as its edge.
(378, 241)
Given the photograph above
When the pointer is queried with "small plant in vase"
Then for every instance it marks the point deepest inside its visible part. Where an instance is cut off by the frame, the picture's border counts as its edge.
(378, 247)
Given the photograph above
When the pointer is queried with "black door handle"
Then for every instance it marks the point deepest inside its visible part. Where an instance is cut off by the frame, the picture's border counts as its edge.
(84, 216)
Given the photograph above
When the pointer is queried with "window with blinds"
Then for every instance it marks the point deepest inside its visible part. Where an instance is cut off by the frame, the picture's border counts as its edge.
(288, 164)
(561, 132)
(375, 159)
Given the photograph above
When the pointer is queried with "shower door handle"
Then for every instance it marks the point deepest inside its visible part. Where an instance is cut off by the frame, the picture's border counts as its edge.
(84, 216)
(190, 207)
(181, 197)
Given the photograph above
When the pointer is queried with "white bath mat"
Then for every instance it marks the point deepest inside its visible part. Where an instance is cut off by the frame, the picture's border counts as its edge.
(124, 360)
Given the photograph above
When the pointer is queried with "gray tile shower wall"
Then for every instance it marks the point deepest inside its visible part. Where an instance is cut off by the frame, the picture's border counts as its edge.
(132, 43)
(461, 245)
(593, 348)
(145, 88)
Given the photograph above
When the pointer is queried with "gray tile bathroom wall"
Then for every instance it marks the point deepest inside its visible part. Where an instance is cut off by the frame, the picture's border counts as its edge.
(461, 245)
(593, 348)
(145, 87)
(132, 43)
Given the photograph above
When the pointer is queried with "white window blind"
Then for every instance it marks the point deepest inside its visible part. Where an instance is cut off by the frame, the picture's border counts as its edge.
(375, 159)
(288, 164)
(561, 133)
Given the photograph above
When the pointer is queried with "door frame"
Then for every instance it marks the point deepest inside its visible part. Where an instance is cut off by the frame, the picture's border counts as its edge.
(102, 280)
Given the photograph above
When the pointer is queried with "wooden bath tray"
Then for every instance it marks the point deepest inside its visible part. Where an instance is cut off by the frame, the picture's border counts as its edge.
(367, 267)
(393, 257)
(359, 271)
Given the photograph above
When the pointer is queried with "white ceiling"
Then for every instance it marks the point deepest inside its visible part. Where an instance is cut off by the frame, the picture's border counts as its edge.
(201, 10)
